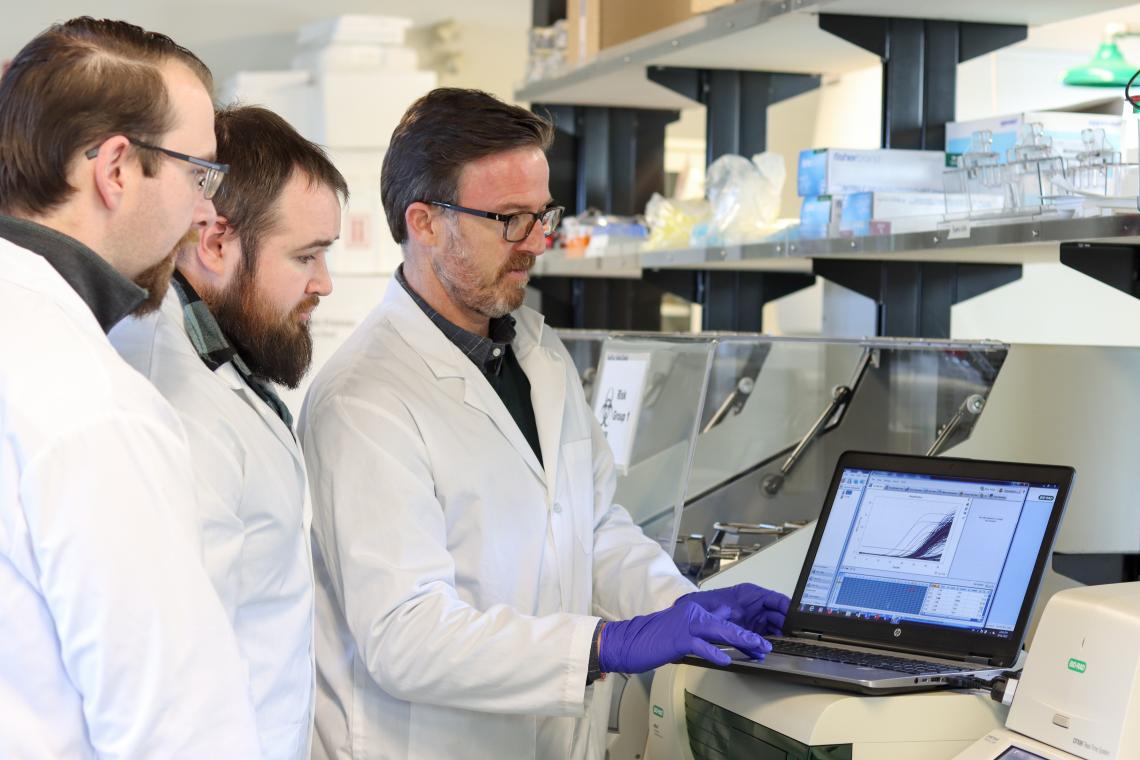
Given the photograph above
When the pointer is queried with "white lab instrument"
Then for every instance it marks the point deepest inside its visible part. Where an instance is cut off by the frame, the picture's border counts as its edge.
(1079, 690)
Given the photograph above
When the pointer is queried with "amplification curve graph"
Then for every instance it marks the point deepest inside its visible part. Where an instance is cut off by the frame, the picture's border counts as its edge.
(897, 531)
(925, 540)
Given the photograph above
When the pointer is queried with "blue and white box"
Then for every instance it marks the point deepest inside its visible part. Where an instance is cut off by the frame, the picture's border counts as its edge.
(833, 171)
(860, 209)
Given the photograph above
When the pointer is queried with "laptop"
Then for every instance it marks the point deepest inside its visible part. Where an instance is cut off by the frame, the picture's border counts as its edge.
(922, 573)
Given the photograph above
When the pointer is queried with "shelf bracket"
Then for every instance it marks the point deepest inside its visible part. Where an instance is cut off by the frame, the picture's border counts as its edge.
(736, 103)
(913, 297)
(920, 68)
(611, 159)
(1114, 264)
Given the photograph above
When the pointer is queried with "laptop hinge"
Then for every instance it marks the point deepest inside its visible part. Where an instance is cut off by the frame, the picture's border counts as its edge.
(972, 658)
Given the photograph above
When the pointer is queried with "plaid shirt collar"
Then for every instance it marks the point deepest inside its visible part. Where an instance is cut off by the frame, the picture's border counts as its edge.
(486, 353)
(215, 349)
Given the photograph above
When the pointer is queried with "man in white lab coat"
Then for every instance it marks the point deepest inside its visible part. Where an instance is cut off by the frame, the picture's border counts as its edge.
(112, 641)
(467, 545)
(235, 321)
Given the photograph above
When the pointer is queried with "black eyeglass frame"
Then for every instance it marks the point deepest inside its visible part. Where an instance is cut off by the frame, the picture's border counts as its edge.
(506, 219)
(220, 169)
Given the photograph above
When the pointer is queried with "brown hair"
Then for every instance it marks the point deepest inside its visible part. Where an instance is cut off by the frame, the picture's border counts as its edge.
(73, 86)
(440, 134)
(263, 152)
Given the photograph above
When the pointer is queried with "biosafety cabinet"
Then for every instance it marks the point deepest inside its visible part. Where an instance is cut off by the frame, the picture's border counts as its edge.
(724, 442)
(725, 445)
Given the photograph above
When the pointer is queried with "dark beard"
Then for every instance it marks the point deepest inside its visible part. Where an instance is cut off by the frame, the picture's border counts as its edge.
(155, 282)
(274, 348)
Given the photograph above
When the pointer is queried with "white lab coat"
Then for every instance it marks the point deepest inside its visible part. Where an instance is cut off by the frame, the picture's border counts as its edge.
(458, 579)
(253, 501)
(112, 642)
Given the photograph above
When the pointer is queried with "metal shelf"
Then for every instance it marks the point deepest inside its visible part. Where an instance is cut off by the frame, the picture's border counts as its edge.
(762, 35)
(623, 266)
(1028, 242)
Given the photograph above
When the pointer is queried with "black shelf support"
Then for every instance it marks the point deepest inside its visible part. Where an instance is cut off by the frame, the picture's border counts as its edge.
(920, 68)
(1114, 264)
(611, 159)
(736, 103)
(914, 298)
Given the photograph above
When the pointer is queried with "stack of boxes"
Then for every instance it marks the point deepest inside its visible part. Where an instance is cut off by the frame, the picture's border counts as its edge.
(352, 79)
(862, 192)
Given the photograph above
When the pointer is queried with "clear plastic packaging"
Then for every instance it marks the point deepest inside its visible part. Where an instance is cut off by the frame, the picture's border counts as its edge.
(671, 221)
(744, 198)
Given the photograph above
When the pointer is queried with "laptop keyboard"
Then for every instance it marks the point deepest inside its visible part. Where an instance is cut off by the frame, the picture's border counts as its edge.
(864, 659)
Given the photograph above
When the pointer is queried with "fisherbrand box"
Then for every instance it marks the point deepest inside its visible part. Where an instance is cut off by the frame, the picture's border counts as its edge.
(831, 171)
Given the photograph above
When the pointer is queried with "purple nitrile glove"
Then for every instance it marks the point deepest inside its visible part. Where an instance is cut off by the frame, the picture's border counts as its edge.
(650, 641)
(752, 607)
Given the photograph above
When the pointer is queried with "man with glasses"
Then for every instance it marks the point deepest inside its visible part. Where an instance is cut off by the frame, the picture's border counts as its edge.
(235, 322)
(466, 540)
(114, 642)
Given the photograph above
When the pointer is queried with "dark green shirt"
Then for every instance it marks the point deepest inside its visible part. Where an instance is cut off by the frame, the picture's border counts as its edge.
(108, 294)
(495, 359)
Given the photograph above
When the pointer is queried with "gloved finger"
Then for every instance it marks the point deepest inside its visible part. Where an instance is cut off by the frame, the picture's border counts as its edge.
(757, 654)
(777, 602)
(767, 623)
(720, 631)
(709, 652)
(723, 612)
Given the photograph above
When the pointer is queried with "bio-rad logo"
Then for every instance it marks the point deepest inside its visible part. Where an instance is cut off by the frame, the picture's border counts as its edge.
(1077, 666)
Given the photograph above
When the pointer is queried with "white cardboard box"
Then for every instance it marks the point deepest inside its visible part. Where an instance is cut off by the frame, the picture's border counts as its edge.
(834, 171)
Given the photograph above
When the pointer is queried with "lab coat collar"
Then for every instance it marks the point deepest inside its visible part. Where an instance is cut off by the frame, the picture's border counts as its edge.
(543, 367)
(227, 373)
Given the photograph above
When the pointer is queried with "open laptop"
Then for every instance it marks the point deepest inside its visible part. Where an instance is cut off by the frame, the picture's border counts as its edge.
(921, 571)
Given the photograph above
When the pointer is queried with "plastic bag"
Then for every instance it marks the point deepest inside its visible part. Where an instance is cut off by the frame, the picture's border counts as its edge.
(744, 197)
(671, 221)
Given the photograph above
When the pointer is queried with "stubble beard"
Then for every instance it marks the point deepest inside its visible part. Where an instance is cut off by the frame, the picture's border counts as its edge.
(459, 274)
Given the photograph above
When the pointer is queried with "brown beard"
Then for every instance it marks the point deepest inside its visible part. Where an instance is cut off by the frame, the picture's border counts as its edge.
(274, 347)
(154, 280)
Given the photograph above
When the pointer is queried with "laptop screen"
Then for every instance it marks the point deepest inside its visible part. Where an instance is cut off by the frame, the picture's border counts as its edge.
(946, 551)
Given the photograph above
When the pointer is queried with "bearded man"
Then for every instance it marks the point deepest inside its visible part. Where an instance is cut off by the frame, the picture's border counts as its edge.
(474, 572)
(235, 322)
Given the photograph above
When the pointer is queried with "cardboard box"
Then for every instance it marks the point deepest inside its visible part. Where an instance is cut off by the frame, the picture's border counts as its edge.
(819, 216)
(624, 20)
(1065, 129)
(583, 30)
(830, 171)
(703, 6)
(594, 25)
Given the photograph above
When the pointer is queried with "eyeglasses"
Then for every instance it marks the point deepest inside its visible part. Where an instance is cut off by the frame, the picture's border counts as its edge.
(516, 227)
(208, 183)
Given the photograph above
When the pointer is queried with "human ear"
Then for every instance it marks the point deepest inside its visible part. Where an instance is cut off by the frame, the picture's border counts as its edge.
(110, 171)
(425, 225)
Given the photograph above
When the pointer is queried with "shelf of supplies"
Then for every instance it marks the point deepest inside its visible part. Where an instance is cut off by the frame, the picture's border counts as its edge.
(1033, 241)
(763, 35)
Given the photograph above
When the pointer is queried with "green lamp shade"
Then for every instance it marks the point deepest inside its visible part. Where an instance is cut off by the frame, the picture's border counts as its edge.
(1107, 69)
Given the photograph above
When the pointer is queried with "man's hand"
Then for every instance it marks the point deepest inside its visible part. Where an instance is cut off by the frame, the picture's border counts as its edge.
(753, 607)
(650, 641)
